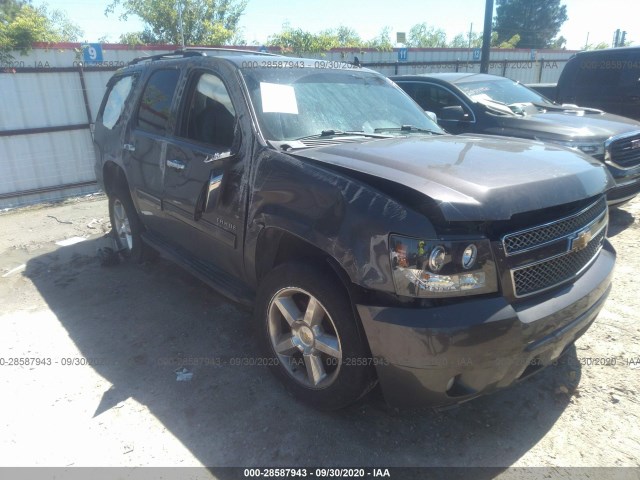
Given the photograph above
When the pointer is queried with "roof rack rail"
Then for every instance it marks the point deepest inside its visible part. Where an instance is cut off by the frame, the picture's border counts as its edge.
(168, 56)
(196, 52)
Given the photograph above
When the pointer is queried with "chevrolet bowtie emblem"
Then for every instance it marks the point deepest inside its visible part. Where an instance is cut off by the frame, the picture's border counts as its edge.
(580, 241)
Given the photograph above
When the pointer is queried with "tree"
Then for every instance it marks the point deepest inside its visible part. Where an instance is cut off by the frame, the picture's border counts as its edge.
(536, 21)
(599, 46)
(462, 40)
(382, 41)
(559, 43)
(22, 24)
(298, 41)
(205, 22)
(422, 35)
(509, 43)
(10, 8)
(347, 37)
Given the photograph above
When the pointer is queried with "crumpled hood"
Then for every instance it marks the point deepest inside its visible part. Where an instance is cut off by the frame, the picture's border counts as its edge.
(566, 125)
(478, 177)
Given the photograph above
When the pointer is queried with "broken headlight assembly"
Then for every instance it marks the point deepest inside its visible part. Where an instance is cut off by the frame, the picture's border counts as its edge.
(427, 268)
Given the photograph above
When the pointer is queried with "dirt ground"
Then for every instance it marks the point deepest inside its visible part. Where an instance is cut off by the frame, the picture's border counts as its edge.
(107, 343)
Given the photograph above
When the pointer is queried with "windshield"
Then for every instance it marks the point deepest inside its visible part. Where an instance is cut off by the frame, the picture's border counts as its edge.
(292, 103)
(501, 90)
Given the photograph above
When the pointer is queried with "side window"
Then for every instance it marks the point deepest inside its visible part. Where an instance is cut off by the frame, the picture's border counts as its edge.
(153, 113)
(436, 99)
(116, 99)
(210, 116)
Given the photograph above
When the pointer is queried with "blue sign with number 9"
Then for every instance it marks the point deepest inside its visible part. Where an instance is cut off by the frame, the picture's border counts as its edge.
(92, 53)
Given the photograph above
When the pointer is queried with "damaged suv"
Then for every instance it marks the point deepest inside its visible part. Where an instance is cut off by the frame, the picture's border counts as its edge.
(373, 246)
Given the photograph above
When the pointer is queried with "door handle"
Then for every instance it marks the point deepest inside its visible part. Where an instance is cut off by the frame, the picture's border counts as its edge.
(129, 147)
(176, 164)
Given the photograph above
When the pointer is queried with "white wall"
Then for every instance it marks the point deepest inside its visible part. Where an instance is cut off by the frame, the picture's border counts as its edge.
(36, 94)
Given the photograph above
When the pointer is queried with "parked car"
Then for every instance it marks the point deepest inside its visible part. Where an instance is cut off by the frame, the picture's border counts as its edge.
(478, 103)
(371, 245)
(607, 79)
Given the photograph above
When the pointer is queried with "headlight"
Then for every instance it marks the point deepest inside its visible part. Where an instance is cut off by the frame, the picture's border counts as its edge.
(590, 148)
(436, 268)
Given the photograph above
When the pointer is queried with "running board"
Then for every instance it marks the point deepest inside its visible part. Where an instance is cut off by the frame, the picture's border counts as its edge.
(217, 279)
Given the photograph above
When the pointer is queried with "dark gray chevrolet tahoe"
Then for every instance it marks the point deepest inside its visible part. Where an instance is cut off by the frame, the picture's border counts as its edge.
(373, 247)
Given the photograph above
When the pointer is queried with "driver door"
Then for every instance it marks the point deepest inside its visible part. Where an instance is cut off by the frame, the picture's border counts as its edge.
(202, 197)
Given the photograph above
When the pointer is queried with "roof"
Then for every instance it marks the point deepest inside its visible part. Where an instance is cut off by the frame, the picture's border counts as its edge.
(449, 77)
(609, 51)
(242, 58)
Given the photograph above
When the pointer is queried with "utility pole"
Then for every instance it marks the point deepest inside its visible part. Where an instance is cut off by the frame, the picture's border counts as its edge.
(181, 24)
(486, 37)
(469, 52)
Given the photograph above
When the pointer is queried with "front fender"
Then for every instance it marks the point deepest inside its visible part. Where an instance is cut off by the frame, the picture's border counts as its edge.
(334, 212)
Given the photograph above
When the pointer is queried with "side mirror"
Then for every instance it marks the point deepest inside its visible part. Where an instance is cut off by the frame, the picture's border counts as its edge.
(432, 116)
(454, 113)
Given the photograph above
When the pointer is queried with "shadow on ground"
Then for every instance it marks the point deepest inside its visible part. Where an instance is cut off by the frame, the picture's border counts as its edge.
(619, 220)
(139, 318)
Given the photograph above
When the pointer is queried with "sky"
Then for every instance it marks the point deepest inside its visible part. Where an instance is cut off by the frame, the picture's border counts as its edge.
(596, 20)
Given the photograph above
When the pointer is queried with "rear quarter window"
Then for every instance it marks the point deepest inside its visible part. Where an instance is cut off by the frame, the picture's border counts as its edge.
(116, 101)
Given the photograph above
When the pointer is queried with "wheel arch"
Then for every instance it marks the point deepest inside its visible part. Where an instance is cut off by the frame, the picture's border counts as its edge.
(276, 246)
(113, 177)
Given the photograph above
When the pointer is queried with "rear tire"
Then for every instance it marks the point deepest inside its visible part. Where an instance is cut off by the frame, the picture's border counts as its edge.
(126, 227)
(311, 338)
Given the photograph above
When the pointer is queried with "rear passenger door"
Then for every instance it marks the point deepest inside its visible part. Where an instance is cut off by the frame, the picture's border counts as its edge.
(203, 198)
(144, 146)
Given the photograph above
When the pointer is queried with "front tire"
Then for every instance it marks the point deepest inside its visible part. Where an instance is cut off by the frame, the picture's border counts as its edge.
(311, 337)
(126, 227)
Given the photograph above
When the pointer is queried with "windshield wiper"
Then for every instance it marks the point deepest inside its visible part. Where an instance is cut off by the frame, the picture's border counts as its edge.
(338, 133)
(407, 128)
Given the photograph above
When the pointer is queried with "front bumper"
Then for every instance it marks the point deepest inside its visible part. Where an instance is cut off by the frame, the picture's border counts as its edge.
(627, 185)
(445, 355)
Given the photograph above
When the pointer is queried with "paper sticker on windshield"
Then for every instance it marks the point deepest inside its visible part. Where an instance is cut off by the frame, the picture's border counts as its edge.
(278, 98)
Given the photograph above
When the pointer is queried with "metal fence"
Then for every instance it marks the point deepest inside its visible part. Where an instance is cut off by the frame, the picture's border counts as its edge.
(49, 100)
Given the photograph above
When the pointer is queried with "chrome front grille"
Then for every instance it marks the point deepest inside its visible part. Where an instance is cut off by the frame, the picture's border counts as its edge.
(537, 236)
(624, 150)
(558, 251)
(549, 273)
